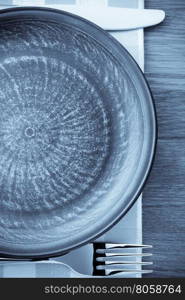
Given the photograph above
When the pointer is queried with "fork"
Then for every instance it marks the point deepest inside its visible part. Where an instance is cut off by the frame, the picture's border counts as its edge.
(109, 260)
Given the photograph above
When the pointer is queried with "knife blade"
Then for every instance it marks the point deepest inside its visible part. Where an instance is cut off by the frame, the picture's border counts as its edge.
(113, 18)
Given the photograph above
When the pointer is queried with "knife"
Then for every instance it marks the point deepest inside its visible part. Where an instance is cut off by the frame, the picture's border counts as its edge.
(113, 18)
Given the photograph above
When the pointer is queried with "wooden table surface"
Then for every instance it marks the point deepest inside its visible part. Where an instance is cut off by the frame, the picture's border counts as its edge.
(164, 194)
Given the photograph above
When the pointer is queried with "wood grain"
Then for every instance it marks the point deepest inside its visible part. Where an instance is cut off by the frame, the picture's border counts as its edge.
(165, 67)
(164, 194)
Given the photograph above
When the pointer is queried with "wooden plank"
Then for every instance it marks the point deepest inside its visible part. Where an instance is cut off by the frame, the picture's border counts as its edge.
(163, 209)
(168, 256)
(164, 194)
(165, 67)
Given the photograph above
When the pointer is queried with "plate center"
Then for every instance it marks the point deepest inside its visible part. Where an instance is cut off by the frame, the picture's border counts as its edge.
(29, 132)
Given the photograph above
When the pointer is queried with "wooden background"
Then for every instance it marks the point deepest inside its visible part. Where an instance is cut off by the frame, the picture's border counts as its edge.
(164, 194)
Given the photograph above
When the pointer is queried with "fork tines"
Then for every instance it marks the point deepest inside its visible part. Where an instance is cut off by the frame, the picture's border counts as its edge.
(125, 259)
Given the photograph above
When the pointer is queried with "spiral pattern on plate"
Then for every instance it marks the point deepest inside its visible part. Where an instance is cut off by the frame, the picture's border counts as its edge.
(70, 133)
(54, 127)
